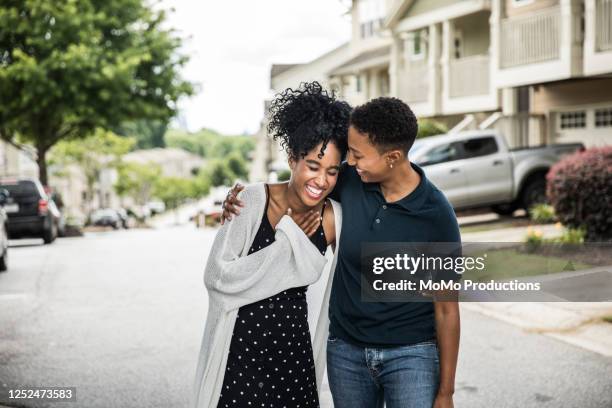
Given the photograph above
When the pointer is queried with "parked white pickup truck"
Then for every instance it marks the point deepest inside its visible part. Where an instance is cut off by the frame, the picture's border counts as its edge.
(477, 169)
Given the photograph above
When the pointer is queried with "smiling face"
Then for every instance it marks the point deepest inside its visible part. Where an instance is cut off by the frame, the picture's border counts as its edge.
(313, 178)
(371, 165)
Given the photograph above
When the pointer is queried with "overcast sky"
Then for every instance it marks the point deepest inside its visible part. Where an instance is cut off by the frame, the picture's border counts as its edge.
(232, 44)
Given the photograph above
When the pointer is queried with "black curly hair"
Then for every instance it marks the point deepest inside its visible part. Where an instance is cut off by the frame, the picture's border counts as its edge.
(305, 117)
(388, 122)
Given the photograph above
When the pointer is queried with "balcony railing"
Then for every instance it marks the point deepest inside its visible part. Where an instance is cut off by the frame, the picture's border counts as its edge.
(603, 25)
(530, 39)
(413, 82)
(469, 76)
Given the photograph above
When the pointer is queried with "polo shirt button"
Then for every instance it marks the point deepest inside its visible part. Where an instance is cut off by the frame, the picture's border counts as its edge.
(260, 385)
(384, 207)
(378, 220)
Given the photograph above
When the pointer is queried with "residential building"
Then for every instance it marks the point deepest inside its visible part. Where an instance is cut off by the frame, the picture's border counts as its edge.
(365, 75)
(537, 69)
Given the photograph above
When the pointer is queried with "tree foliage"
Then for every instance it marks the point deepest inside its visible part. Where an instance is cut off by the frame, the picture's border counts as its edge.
(174, 191)
(148, 133)
(100, 151)
(69, 67)
(137, 181)
(210, 144)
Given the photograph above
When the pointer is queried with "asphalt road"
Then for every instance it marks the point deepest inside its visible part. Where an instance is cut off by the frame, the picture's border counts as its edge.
(119, 315)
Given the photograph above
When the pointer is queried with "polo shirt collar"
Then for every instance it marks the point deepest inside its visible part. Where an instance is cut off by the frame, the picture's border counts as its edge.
(413, 201)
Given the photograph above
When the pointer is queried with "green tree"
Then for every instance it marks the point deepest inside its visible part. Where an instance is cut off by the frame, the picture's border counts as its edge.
(238, 166)
(201, 184)
(219, 174)
(148, 133)
(174, 191)
(70, 67)
(93, 154)
(210, 144)
(137, 181)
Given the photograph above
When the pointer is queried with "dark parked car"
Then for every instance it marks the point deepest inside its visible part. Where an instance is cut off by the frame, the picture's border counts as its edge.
(3, 231)
(31, 212)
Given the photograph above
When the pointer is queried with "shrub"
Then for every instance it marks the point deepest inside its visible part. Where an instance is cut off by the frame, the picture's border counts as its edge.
(429, 127)
(571, 236)
(579, 187)
(284, 175)
(534, 239)
(542, 213)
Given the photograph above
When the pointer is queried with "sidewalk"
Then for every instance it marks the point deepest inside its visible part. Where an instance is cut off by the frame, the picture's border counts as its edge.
(576, 323)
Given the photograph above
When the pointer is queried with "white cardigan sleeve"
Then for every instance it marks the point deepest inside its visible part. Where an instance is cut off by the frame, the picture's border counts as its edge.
(238, 279)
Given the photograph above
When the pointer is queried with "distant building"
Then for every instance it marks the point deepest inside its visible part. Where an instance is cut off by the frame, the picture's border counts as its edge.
(173, 162)
(17, 162)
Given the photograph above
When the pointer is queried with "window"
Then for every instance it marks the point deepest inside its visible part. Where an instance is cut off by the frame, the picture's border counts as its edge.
(458, 44)
(440, 154)
(371, 15)
(481, 146)
(603, 117)
(415, 45)
(572, 120)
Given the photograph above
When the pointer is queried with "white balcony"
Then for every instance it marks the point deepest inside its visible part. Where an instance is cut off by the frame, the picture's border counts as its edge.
(467, 86)
(540, 46)
(531, 39)
(598, 37)
(469, 76)
(413, 83)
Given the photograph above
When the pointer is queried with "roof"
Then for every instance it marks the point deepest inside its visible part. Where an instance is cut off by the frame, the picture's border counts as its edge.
(278, 69)
(397, 12)
(367, 59)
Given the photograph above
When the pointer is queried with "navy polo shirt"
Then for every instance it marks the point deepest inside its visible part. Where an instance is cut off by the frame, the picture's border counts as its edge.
(424, 215)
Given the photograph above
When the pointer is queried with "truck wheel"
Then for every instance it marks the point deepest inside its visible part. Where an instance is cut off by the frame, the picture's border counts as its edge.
(504, 209)
(534, 193)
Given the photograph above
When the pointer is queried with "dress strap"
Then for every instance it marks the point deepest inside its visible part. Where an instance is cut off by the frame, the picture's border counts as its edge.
(323, 208)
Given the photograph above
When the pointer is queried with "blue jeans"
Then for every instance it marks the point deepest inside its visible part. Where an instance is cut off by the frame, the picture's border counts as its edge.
(400, 377)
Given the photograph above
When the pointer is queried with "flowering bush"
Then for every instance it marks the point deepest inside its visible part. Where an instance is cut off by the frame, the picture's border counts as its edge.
(579, 187)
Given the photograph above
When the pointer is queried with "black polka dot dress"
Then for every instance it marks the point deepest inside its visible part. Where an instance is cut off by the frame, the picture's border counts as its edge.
(270, 362)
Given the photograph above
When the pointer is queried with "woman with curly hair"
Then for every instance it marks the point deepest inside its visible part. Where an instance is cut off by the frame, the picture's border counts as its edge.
(257, 349)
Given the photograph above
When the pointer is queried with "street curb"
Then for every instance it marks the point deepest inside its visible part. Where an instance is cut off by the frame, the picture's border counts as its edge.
(580, 327)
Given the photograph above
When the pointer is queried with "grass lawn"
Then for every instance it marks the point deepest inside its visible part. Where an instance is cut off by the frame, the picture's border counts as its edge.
(510, 263)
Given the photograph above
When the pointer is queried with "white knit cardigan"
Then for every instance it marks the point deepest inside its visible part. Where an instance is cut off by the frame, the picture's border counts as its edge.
(234, 279)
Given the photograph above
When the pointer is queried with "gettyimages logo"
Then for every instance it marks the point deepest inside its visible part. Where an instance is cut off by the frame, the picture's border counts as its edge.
(415, 272)
(413, 264)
